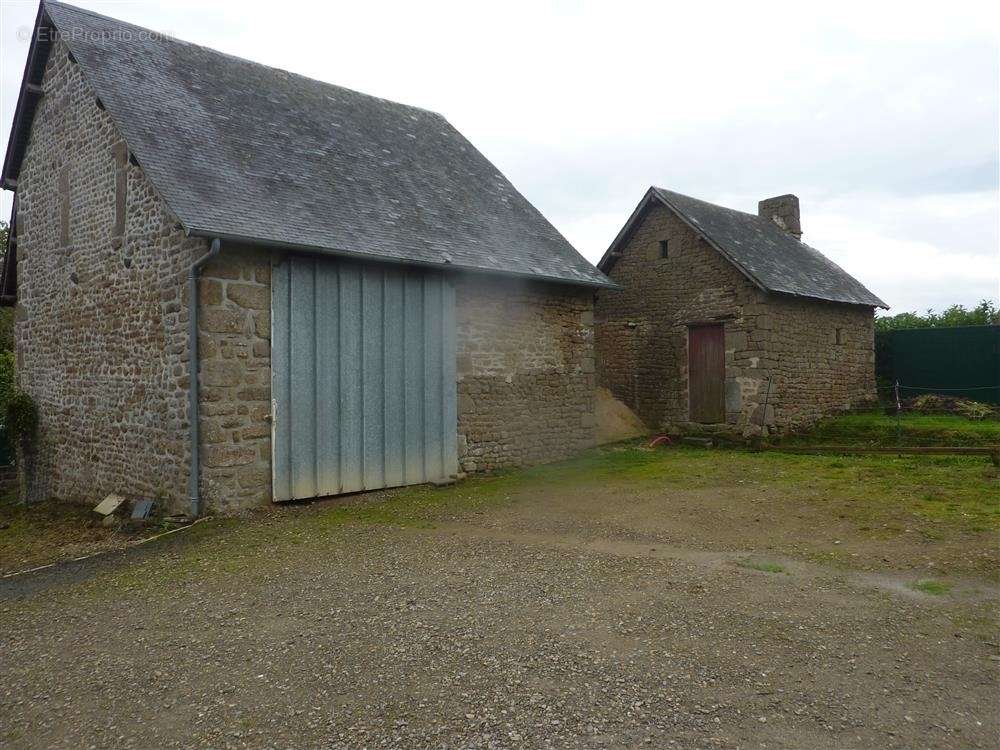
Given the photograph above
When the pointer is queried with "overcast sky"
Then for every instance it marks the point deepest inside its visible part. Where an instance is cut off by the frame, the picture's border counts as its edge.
(882, 117)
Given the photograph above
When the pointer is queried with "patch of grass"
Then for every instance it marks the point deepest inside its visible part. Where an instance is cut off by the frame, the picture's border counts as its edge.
(879, 429)
(930, 586)
(39, 534)
(962, 491)
(980, 622)
(944, 499)
(419, 506)
(765, 567)
(948, 492)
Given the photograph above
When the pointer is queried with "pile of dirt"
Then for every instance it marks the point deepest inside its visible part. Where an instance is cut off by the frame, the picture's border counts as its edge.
(615, 421)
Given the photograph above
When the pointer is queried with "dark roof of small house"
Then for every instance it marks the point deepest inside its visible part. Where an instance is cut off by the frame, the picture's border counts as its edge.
(243, 151)
(767, 255)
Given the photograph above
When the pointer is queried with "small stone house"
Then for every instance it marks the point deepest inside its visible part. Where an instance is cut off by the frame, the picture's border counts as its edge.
(727, 321)
(363, 299)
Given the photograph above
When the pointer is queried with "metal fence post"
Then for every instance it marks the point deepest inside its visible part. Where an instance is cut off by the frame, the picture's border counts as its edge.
(899, 408)
(763, 414)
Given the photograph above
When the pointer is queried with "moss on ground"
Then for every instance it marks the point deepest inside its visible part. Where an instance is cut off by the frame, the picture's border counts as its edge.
(38, 534)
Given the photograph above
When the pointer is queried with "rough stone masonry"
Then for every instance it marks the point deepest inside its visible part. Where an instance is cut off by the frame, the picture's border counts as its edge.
(526, 369)
(819, 355)
(102, 340)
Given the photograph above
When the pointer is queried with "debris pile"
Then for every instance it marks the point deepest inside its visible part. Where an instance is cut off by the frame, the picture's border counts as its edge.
(932, 403)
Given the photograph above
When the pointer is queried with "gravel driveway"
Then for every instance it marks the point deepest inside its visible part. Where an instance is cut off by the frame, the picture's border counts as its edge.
(502, 624)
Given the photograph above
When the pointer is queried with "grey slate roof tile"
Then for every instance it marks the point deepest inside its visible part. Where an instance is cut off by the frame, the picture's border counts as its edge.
(769, 256)
(241, 150)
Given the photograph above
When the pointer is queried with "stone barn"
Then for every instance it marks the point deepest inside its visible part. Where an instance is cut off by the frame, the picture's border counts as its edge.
(234, 284)
(727, 321)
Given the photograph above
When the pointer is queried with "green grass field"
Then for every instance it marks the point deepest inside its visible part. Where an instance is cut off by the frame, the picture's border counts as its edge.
(878, 429)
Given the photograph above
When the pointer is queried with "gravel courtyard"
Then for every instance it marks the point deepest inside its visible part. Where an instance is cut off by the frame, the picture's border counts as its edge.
(681, 599)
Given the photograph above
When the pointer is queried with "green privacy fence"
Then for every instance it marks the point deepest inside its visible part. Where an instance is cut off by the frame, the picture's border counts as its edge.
(962, 361)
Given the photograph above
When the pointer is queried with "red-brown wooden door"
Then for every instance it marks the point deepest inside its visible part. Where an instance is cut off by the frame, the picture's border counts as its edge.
(707, 373)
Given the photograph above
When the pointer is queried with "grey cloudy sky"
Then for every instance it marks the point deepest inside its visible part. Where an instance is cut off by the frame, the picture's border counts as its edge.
(882, 117)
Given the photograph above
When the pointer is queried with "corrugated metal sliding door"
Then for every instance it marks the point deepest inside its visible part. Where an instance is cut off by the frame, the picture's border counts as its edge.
(707, 373)
(362, 377)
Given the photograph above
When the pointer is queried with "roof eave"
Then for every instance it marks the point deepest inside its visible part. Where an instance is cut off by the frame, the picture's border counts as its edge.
(607, 261)
(371, 257)
(22, 120)
(816, 298)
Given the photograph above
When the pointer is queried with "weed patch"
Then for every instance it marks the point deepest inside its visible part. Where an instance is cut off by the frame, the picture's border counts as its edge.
(930, 586)
(765, 567)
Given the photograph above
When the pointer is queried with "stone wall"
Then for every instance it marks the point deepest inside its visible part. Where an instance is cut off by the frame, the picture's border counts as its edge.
(641, 336)
(525, 372)
(814, 373)
(234, 346)
(100, 331)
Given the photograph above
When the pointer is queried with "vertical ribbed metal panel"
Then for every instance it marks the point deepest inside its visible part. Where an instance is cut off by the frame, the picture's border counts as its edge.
(281, 397)
(347, 320)
(449, 383)
(413, 386)
(393, 376)
(363, 377)
(302, 355)
(327, 379)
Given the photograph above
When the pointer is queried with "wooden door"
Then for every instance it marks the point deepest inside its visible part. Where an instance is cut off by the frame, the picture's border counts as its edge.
(707, 373)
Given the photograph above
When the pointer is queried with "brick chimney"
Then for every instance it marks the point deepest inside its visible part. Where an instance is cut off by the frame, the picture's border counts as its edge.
(783, 211)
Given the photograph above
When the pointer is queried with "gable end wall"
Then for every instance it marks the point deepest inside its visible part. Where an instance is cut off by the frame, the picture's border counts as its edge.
(101, 325)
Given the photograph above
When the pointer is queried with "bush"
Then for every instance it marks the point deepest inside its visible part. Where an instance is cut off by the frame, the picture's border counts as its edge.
(17, 409)
(986, 313)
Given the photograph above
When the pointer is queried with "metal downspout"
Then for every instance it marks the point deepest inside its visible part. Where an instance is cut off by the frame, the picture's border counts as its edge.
(194, 490)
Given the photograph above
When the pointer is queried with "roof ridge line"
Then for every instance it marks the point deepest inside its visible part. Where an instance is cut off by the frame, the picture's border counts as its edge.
(346, 196)
(702, 200)
(178, 40)
(767, 256)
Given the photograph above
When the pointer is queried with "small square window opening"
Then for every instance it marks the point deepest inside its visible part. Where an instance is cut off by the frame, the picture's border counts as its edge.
(840, 335)
(664, 249)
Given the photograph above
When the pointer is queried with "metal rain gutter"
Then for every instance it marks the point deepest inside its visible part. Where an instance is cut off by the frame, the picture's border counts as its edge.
(194, 490)
(372, 257)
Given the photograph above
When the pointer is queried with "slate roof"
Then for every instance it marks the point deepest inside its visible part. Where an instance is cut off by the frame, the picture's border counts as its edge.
(243, 151)
(767, 255)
